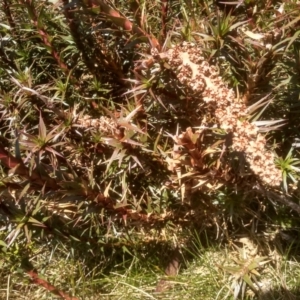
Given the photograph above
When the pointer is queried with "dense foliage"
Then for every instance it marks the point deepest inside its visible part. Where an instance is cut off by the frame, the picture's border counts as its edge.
(125, 124)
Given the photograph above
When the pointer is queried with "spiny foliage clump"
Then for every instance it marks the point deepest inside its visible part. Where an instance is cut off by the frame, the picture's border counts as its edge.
(114, 128)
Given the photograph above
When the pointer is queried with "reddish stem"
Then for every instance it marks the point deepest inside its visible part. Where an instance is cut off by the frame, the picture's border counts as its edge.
(164, 16)
(12, 162)
(49, 287)
(122, 21)
(43, 34)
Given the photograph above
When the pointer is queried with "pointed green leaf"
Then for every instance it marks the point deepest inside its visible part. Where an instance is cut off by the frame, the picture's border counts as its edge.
(247, 279)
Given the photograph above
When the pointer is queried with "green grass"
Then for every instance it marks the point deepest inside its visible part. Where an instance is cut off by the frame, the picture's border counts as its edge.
(205, 273)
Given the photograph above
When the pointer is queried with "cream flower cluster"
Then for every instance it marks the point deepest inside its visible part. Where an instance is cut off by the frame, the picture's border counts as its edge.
(103, 124)
(204, 81)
